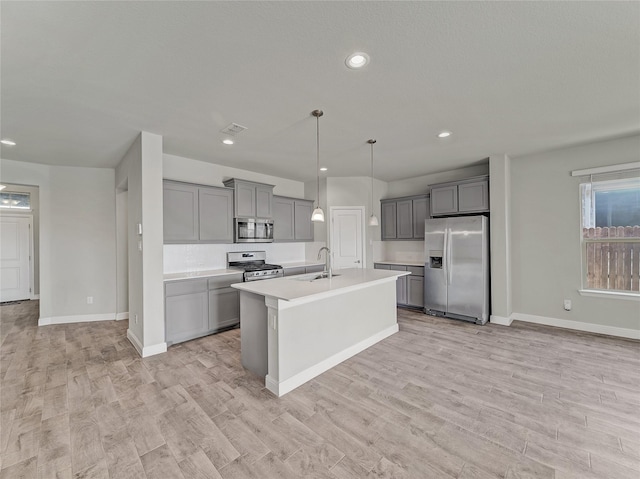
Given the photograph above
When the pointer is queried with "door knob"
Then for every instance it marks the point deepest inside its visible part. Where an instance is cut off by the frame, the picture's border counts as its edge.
(357, 261)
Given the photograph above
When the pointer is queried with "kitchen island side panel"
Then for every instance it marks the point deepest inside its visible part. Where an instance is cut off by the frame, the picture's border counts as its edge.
(310, 333)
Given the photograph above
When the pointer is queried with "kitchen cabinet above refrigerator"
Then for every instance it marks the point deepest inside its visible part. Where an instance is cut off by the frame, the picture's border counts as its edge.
(466, 196)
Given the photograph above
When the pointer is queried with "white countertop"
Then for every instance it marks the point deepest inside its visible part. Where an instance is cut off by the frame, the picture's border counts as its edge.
(292, 288)
(297, 264)
(200, 274)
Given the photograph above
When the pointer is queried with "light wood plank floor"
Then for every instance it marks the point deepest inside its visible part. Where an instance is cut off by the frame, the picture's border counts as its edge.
(440, 399)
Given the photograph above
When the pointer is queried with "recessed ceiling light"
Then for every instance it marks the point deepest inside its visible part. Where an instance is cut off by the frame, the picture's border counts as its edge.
(444, 134)
(8, 142)
(227, 141)
(323, 169)
(357, 60)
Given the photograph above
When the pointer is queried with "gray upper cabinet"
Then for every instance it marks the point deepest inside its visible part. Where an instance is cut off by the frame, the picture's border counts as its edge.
(196, 213)
(251, 200)
(389, 227)
(473, 196)
(292, 219)
(303, 227)
(180, 211)
(466, 196)
(420, 213)
(283, 218)
(216, 214)
(264, 198)
(403, 218)
(444, 200)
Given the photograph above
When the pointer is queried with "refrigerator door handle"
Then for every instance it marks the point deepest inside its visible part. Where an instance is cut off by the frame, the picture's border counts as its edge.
(445, 259)
(449, 265)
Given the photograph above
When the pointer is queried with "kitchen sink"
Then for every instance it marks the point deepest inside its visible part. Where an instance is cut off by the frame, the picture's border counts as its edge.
(312, 276)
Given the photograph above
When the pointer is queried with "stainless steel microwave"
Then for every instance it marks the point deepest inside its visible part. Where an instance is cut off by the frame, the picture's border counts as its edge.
(253, 230)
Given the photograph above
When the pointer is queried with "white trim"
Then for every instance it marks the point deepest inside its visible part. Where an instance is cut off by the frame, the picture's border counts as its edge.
(34, 297)
(578, 325)
(501, 320)
(121, 316)
(283, 387)
(78, 318)
(597, 293)
(145, 351)
(133, 339)
(606, 169)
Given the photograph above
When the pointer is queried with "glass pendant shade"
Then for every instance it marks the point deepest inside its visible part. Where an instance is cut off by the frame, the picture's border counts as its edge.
(373, 220)
(318, 215)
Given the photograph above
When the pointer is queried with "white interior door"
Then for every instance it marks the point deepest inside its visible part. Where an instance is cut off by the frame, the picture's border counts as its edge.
(347, 244)
(15, 279)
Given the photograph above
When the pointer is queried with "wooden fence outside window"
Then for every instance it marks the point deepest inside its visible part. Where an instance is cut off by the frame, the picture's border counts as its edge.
(612, 258)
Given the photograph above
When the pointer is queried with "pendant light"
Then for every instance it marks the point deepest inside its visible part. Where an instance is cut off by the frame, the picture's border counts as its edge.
(373, 219)
(318, 214)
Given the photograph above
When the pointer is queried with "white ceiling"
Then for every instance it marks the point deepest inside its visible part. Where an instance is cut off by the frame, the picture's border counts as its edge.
(80, 79)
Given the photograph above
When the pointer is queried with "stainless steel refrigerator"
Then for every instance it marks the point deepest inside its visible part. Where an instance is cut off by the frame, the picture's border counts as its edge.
(456, 269)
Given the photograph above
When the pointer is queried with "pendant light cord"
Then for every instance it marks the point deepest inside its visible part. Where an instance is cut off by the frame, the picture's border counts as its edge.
(318, 157)
(372, 178)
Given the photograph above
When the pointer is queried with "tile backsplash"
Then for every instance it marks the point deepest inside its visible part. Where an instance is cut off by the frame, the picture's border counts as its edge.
(179, 258)
(410, 251)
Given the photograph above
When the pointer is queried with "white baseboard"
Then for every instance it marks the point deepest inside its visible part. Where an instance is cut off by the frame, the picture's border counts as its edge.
(578, 325)
(121, 316)
(501, 320)
(78, 318)
(283, 387)
(34, 297)
(145, 352)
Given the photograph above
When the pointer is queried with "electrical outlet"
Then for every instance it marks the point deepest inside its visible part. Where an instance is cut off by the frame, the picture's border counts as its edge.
(567, 305)
(89, 299)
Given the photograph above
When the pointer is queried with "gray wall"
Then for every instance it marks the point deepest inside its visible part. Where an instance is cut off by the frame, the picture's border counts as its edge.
(77, 236)
(545, 219)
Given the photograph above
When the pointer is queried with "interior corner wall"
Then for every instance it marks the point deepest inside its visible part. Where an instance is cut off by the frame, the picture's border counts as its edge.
(205, 173)
(129, 171)
(356, 191)
(420, 184)
(545, 218)
(77, 241)
(141, 169)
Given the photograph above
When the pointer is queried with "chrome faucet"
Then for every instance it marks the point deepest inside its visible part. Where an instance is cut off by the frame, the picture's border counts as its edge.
(327, 264)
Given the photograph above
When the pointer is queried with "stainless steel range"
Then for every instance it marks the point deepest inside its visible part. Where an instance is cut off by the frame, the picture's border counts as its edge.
(254, 266)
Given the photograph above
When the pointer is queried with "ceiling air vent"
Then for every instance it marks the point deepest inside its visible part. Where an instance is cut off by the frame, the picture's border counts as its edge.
(233, 129)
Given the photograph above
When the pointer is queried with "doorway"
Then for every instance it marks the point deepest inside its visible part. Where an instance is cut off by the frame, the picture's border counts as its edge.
(347, 241)
(15, 258)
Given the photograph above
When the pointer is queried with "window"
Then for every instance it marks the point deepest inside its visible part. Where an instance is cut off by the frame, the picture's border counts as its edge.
(12, 200)
(611, 234)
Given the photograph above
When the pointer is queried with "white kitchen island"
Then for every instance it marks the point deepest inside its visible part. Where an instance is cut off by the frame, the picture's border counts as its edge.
(294, 328)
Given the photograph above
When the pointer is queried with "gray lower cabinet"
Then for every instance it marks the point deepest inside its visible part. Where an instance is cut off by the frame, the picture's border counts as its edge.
(186, 310)
(197, 307)
(409, 289)
(197, 213)
(292, 219)
(403, 218)
(465, 196)
(319, 268)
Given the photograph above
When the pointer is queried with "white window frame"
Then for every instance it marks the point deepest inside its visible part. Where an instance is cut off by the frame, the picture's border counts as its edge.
(587, 220)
